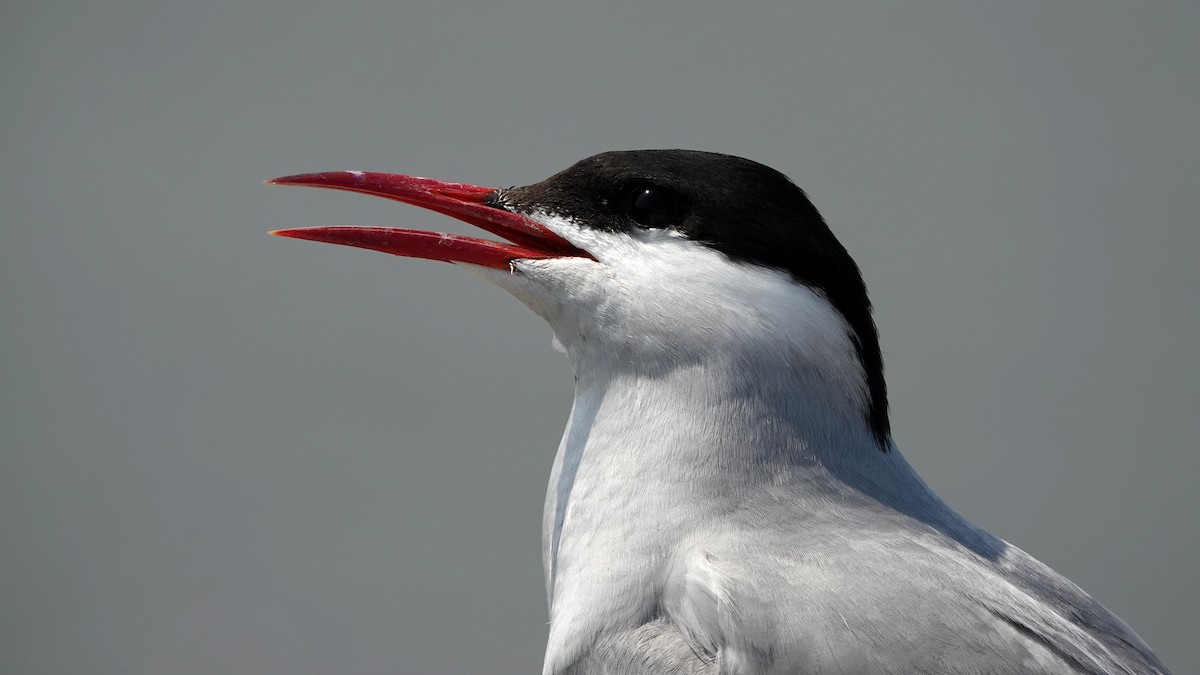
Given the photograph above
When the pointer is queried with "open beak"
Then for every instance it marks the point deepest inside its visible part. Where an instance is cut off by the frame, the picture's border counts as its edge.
(529, 238)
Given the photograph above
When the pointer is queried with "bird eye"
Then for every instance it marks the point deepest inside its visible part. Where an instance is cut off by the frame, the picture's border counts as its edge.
(651, 206)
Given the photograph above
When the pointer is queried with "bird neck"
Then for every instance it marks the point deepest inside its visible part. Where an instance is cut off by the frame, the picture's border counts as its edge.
(652, 455)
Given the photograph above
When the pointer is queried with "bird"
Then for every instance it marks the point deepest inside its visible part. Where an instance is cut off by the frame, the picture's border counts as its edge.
(727, 497)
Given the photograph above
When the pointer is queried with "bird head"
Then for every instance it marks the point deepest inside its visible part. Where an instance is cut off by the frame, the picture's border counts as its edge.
(651, 260)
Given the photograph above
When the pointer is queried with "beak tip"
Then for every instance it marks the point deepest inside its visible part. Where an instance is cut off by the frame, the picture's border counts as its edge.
(342, 180)
(286, 180)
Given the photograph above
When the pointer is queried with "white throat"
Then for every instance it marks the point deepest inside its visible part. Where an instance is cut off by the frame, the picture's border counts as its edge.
(668, 446)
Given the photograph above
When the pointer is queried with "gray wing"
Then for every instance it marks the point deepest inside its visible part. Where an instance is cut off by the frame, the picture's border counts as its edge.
(885, 596)
(897, 602)
(1047, 607)
(894, 599)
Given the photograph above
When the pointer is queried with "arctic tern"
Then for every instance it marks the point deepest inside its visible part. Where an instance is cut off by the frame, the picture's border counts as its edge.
(727, 497)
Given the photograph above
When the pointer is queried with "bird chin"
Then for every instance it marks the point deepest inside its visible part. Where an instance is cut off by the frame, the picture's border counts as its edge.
(543, 285)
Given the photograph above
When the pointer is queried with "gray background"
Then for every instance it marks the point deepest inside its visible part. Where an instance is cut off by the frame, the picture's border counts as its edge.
(226, 452)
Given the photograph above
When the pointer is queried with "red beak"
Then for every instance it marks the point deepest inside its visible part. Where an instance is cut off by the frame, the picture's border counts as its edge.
(530, 239)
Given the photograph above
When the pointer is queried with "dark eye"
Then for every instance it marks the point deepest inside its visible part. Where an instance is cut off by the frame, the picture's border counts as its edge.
(651, 206)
